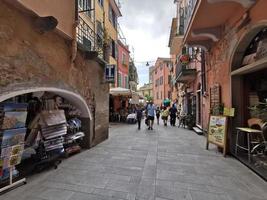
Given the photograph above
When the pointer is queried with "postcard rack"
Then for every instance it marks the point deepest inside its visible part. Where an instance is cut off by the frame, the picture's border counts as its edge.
(12, 132)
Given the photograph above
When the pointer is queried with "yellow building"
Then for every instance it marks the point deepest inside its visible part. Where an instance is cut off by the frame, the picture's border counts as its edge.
(146, 91)
(98, 27)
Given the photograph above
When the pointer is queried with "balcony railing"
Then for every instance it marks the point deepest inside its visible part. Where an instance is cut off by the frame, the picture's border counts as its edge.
(88, 39)
(188, 11)
(185, 73)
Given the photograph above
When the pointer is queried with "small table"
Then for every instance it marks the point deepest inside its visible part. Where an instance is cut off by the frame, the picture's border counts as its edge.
(248, 131)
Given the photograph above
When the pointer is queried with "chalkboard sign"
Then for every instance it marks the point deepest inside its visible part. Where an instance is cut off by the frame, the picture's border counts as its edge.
(217, 132)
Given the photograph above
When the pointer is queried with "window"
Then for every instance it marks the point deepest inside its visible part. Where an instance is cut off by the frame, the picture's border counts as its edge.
(119, 80)
(169, 94)
(157, 95)
(161, 66)
(85, 5)
(161, 95)
(169, 79)
(126, 82)
(114, 51)
(100, 33)
(101, 2)
(161, 80)
(124, 60)
(112, 17)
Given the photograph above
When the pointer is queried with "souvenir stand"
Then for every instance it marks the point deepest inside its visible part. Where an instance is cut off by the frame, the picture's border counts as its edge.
(12, 121)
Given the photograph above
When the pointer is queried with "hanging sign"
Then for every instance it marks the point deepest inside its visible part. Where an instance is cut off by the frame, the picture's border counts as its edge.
(229, 112)
(217, 132)
(110, 73)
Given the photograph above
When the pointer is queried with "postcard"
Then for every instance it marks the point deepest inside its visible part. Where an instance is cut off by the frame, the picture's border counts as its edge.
(13, 137)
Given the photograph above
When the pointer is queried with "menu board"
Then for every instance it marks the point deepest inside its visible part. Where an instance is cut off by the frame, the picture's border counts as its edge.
(217, 131)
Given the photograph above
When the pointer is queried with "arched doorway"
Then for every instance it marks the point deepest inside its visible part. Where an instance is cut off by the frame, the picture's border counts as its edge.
(249, 88)
(74, 98)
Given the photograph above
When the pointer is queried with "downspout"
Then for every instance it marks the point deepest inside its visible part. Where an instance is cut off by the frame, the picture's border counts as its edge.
(74, 35)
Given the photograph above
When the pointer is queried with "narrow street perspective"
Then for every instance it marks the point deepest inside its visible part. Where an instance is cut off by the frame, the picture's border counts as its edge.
(145, 165)
(133, 100)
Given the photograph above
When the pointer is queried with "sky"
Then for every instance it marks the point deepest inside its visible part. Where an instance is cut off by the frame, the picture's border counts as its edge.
(146, 26)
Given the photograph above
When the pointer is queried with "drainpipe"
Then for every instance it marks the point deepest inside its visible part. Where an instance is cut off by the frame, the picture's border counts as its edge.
(74, 35)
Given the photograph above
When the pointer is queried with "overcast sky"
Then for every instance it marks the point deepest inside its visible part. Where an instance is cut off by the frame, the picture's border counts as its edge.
(146, 26)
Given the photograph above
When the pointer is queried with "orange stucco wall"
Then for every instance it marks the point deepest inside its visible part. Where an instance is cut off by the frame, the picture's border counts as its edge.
(62, 10)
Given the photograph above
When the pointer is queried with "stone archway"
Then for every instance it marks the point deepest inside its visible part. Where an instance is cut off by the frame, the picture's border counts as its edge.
(237, 72)
(73, 98)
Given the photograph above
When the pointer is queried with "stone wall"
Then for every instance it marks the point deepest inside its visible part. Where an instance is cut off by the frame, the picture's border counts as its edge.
(29, 59)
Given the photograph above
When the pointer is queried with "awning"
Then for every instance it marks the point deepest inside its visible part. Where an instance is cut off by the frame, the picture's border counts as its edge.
(118, 91)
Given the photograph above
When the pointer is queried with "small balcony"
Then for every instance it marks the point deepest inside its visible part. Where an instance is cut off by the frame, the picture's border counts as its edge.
(88, 40)
(185, 73)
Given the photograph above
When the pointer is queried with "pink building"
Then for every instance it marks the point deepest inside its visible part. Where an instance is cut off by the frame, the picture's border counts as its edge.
(161, 80)
(122, 75)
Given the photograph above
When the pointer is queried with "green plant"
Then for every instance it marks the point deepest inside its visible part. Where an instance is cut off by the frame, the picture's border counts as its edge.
(259, 111)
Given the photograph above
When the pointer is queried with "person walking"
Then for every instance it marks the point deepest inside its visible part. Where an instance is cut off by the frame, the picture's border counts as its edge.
(150, 115)
(139, 115)
(158, 114)
(164, 115)
(173, 113)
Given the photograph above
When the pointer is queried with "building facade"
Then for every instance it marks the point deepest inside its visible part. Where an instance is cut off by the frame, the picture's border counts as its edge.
(133, 76)
(231, 51)
(161, 80)
(59, 48)
(122, 75)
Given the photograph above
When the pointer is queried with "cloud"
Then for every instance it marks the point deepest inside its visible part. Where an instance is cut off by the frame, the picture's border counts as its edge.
(146, 26)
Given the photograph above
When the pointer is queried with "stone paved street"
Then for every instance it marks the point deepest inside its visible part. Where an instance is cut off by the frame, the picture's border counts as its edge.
(166, 163)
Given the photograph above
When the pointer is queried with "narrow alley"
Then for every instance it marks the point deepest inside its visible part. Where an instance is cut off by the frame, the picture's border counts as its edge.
(166, 163)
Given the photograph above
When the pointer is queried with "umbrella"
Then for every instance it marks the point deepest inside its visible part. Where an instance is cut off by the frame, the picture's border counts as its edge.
(166, 102)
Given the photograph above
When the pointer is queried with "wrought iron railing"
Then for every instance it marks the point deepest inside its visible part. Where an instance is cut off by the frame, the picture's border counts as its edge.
(88, 39)
(188, 12)
(183, 69)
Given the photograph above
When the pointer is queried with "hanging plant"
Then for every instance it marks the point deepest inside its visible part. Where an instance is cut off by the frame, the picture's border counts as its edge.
(185, 59)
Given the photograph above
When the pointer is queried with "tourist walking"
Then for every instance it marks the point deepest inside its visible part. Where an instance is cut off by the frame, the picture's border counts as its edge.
(139, 115)
(164, 115)
(150, 115)
(173, 113)
(158, 114)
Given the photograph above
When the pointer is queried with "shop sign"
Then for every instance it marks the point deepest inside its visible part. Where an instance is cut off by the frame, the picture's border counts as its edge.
(217, 132)
(110, 73)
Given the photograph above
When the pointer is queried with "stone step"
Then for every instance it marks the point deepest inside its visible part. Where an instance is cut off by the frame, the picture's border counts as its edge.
(198, 130)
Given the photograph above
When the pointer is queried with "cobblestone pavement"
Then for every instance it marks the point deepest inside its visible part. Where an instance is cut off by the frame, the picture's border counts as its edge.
(166, 163)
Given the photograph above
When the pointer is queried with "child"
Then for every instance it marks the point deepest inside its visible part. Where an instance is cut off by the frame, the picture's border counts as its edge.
(164, 115)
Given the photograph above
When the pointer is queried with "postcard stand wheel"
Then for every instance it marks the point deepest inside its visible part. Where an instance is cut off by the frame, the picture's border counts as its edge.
(11, 183)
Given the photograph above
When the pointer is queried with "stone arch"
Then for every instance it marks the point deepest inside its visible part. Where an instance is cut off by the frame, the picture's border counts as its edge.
(244, 41)
(72, 97)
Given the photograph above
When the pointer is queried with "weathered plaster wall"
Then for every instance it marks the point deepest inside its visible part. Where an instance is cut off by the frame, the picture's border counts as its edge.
(28, 59)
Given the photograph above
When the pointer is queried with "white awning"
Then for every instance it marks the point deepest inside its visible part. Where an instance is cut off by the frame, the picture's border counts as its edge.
(118, 91)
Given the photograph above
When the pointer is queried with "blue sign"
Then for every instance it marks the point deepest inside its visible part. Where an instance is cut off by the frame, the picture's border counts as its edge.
(110, 73)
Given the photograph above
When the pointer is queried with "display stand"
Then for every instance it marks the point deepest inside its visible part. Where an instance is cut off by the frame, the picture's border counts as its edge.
(11, 183)
(217, 132)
